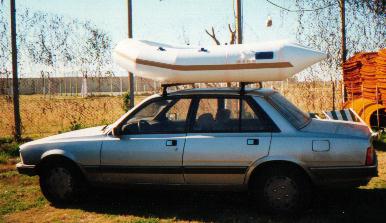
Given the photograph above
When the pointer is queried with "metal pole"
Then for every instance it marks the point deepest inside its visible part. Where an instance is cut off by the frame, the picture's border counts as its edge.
(376, 98)
(130, 35)
(239, 24)
(15, 79)
(343, 33)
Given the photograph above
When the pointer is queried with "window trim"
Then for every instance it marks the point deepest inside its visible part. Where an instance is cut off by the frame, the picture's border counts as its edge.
(174, 99)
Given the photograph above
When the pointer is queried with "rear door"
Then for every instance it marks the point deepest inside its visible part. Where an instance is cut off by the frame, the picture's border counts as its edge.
(226, 135)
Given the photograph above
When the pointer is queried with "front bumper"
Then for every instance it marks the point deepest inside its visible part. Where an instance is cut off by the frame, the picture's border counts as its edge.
(29, 170)
(344, 176)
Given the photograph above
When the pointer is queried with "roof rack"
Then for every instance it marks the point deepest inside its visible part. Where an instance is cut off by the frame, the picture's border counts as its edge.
(241, 84)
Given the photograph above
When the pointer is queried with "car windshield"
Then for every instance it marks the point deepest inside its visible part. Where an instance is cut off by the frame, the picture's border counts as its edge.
(295, 116)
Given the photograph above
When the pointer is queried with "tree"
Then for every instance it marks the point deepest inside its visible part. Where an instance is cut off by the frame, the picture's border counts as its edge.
(91, 50)
(232, 32)
(320, 26)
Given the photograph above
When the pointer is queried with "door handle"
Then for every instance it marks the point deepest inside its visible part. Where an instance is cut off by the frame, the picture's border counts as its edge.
(171, 142)
(252, 142)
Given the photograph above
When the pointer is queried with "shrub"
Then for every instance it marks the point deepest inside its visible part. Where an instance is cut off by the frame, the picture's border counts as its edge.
(8, 149)
(75, 125)
(126, 101)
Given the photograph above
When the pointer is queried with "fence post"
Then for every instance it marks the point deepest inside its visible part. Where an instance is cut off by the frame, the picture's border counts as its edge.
(120, 82)
(111, 85)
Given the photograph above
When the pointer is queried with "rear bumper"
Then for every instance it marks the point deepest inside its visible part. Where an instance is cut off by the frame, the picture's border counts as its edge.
(344, 176)
(29, 170)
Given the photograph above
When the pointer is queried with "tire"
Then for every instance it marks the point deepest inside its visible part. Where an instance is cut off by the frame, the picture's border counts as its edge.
(62, 183)
(282, 190)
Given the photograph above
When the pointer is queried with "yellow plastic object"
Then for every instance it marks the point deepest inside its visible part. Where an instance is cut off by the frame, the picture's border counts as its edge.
(365, 108)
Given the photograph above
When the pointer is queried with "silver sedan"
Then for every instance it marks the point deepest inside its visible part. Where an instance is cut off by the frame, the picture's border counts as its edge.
(224, 139)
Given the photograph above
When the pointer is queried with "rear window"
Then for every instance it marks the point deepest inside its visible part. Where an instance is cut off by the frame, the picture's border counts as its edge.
(295, 116)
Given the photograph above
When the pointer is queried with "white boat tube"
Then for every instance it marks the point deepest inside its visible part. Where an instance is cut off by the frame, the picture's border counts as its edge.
(268, 61)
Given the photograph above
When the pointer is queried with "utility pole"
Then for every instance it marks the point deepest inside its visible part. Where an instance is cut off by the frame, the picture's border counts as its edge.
(15, 79)
(239, 24)
(343, 42)
(130, 35)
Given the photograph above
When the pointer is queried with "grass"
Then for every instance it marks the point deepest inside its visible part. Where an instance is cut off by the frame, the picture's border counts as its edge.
(8, 149)
(42, 116)
(21, 201)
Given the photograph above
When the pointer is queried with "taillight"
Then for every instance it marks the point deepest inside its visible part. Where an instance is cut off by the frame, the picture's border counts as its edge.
(370, 156)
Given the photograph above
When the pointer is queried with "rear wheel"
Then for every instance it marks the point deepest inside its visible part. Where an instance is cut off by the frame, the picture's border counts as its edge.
(61, 183)
(282, 190)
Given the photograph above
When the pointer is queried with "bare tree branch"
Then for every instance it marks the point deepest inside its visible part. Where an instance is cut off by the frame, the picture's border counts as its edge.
(233, 34)
(213, 36)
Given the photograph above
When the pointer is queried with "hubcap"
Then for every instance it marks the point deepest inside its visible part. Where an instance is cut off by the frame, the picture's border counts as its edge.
(59, 182)
(281, 192)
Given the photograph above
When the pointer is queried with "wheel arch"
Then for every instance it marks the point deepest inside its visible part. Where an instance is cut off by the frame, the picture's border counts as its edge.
(256, 169)
(55, 156)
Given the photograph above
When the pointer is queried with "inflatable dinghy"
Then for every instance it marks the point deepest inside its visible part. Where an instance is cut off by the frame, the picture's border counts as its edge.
(269, 61)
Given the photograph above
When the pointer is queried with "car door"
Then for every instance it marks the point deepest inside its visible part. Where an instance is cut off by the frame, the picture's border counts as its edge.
(226, 135)
(151, 145)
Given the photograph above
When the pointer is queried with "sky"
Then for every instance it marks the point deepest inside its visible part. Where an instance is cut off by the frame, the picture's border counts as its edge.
(174, 21)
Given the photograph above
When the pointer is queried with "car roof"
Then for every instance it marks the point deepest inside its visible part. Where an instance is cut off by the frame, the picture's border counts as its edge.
(224, 91)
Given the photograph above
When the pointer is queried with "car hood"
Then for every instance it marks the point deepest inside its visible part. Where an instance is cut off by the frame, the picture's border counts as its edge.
(77, 135)
(336, 127)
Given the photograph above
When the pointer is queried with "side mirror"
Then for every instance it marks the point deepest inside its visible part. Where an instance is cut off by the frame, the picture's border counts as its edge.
(116, 131)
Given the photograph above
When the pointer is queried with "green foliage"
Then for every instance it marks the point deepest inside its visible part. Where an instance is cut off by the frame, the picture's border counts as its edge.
(149, 220)
(3, 157)
(126, 101)
(76, 125)
(8, 149)
(381, 143)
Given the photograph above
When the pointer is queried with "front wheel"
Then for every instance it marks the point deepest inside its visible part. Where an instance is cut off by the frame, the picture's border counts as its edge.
(282, 190)
(61, 183)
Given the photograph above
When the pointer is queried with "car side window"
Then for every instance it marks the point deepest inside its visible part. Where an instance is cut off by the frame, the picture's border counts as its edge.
(224, 114)
(217, 115)
(162, 116)
(250, 120)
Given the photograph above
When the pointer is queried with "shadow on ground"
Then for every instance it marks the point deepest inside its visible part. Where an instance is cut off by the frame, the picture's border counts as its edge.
(356, 205)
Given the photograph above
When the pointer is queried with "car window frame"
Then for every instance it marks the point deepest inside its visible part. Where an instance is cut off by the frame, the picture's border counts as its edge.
(174, 99)
(271, 126)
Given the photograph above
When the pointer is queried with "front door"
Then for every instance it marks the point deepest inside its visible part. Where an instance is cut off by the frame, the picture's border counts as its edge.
(227, 134)
(151, 146)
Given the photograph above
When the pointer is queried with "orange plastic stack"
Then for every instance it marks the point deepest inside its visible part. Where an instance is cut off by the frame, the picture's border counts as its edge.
(363, 74)
(381, 74)
(368, 76)
(352, 78)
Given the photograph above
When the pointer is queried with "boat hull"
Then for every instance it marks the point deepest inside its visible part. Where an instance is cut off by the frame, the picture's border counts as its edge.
(273, 61)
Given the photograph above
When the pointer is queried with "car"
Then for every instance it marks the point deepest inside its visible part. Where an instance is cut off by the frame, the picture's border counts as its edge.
(228, 139)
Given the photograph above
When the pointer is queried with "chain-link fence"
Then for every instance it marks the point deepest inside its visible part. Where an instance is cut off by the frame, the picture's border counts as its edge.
(73, 86)
(52, 105)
